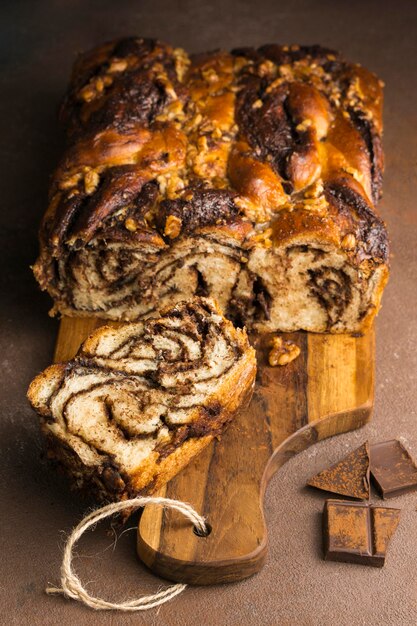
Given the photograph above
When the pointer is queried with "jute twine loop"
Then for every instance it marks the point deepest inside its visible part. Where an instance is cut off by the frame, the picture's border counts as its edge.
(71, 584)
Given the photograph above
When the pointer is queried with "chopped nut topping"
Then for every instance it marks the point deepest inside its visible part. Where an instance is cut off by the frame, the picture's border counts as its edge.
(99, 85)
(204, 148)
(171, 184)
(117, 65)
(266, 67)
(303, 125)
(264, 238)
(174, 110)
(94, 88)
(162, 182)
(87, 93)
(315, 190)
(282, 351)
(317, 205)
(182, 63)
(131, 224)
(257, 104)
(172, 226)
(197, 120)
(169, 89)
(207, 127)
(70, 182)
(276, 83)
(334, 97)
(91, 181)
(366, 269)
(349, 242)
(210, 75)
(202, 143)
(287, 72)
(255, 212)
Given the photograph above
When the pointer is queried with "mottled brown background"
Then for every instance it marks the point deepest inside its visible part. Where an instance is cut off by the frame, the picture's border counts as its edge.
(38, 43)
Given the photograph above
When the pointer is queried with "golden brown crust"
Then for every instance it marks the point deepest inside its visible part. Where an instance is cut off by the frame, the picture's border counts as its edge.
(138, 402)
(156, 137)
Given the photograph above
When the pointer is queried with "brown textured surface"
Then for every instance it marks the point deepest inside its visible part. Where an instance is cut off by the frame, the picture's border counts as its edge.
(355, 532)
(393, 469)
(280, 143)
(346, 531)
(385, 523)
(295, 587)
(348, 477)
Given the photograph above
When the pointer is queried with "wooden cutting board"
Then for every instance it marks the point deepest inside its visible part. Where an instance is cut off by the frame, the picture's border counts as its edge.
(327, 390)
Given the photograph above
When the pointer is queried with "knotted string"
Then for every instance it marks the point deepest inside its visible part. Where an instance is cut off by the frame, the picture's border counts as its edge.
(71, 584)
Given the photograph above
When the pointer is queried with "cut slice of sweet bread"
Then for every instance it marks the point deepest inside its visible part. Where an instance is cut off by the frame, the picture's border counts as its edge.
(138, 402)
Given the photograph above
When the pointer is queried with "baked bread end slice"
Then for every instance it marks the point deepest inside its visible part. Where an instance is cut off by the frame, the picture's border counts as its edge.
(138, 402)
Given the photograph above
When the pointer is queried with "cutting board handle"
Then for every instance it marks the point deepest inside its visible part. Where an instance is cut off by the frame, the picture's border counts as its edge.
(327, 390)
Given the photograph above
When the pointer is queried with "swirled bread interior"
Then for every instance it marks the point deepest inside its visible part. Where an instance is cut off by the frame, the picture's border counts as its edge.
(139, 401)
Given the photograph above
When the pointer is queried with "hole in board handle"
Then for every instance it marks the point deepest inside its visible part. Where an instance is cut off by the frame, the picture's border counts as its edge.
(199, 533)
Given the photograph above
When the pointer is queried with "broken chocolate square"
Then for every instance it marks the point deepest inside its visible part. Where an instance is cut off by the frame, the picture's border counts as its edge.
(392, 469)
(355, 532)
(349, 477)
(385, 522)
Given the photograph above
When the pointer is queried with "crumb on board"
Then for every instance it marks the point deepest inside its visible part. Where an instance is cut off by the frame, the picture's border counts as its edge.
(282, 351)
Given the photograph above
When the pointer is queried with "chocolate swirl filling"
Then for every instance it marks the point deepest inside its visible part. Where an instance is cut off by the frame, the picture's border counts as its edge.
(134, 394)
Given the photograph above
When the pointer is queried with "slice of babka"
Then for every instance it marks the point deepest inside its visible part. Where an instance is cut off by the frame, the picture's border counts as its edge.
(139, 401)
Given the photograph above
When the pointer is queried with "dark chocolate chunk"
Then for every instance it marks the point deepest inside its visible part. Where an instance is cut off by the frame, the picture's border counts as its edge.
(368, 226)
(392, 469)
(349, 477)
(269, 129)
(205, 207)
(355, 532)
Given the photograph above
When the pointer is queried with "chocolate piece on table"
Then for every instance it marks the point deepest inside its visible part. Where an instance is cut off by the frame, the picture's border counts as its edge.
(355, 532)
(392, 469)
(349, 477)
(385, 522)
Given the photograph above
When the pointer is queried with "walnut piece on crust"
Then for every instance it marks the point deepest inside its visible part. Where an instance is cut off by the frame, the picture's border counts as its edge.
(283, 351)
(172, 226)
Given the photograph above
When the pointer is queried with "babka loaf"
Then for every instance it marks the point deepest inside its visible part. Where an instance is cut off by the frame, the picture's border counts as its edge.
(138, 402)
(248, 176)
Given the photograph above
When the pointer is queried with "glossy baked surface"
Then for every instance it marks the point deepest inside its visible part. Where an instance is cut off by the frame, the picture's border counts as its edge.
(250, 176)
